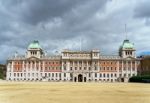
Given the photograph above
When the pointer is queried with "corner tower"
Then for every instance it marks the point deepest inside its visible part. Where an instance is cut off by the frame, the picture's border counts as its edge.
(127, 49)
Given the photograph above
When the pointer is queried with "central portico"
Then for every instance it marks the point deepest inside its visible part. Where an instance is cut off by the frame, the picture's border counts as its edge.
(79, 77)
(80, 66)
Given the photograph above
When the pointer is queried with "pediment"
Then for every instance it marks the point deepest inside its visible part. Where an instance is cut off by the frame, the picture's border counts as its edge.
(32, 58)
(130, 58)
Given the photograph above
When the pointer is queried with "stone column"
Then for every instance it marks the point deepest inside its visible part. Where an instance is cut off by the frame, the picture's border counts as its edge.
(12, 69)
(27, 66)
(12, 66)
(43, 71)
(23, 70)
(39, 71)
(62, 73)
(77, 77)
(135, 68)
(78, 65)
(27, 69)
(35, 66)
(31, 70)
(122, 71)
(8, 75)
(82, 66)
(126, 68)
(117, 70)
(87, 71)
(131, 69)
(67, 73)
(35, 71)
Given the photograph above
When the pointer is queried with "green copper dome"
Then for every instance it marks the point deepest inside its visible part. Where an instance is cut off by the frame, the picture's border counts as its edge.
(34, 45)
(127, 45)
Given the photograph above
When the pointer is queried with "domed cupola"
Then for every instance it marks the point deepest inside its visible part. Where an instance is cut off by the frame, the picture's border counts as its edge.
(34, 50)
(34, 45)
(127, 49)
(127, 45)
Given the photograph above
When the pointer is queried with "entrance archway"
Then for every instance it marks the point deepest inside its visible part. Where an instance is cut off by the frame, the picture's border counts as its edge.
(80, 78)
(122, 79)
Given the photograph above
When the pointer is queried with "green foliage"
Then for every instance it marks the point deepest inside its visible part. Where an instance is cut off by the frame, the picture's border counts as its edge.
(141, 79)
(1, 74)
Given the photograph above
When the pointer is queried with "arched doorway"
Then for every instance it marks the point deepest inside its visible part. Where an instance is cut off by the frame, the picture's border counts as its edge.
(75, 79)
(84, 79)
(80, 78)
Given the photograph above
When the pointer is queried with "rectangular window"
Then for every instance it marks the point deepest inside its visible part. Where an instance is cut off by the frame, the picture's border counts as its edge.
(104, 75)
(124, 75)
(111, 75)
(108, 75)
(45, 68)
(89, 75)
(95, 68)
(64, 67)
(75, 68)
(104, 68)
(128, 75)
(124, 68)
(119, 68)
(95, 74)
(89, 68)
(107, 68)
(119, 75)
(100, 75)
(111, 68)
(70, 68)
(56, 74)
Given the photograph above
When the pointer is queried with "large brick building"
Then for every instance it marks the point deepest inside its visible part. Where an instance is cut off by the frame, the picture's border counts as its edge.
(75, 66)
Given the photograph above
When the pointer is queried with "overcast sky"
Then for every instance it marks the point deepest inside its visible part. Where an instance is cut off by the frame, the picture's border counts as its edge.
(59, 24)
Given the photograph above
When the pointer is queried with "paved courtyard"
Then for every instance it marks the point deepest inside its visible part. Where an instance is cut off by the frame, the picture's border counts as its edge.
(48, 92)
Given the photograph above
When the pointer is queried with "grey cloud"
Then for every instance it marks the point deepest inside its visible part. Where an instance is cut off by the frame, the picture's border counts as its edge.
(59, 24)
(35, 11)
(142, 10)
